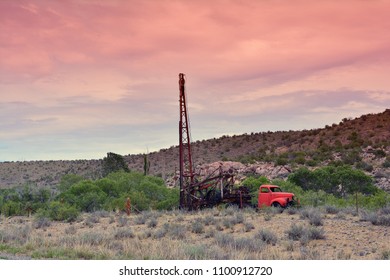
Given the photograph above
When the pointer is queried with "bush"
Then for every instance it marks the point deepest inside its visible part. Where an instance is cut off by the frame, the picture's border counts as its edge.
(295, 232)
(315, 233)
(58, 211)
(338, 181)
(152, 223)
(197, 226)
(330, 209)
(315, 219)
(123, 233)
(41, 222)
(111, 192)
(267, 236)
(12, 208)
(254, 183)
(69, 180)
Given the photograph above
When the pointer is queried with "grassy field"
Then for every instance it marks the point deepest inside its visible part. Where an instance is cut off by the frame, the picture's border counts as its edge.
(307, 233)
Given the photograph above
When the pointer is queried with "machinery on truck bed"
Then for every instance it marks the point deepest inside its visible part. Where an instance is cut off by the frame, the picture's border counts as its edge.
(218, 187)
(196, 192)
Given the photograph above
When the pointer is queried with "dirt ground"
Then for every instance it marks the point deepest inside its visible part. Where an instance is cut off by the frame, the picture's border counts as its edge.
(209, 234)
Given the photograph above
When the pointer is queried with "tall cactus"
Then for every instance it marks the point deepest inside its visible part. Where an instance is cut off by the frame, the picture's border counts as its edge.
(146, 165)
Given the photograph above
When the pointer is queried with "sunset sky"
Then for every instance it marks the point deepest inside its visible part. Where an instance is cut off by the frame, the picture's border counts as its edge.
(80, 78)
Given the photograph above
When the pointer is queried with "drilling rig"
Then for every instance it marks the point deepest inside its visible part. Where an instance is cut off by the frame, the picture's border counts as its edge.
(197, 192)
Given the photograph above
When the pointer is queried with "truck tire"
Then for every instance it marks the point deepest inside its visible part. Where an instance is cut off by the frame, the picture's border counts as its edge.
(276, 205)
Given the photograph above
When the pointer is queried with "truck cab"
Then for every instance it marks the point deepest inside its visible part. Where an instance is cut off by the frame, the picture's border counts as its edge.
(271, 195)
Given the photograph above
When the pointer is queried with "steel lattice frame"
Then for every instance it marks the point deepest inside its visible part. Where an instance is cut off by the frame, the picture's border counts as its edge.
(186, 171)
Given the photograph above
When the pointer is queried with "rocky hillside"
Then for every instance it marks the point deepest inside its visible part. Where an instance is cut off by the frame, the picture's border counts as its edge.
(363, 142)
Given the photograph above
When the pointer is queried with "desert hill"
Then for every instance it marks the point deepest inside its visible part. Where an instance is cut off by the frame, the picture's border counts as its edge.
(363, 142)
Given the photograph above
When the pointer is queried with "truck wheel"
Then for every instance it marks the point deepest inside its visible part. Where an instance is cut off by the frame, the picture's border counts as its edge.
(276, 205)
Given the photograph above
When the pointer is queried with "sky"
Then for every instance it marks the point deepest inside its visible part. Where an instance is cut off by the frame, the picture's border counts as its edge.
(80, 78)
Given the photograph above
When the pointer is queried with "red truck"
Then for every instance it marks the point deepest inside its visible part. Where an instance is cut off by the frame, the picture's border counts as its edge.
(271, 195)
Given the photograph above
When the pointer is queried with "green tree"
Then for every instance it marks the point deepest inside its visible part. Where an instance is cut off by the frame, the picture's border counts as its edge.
(340, 181)
(85, 195)
(254, 183)
(59, 211)
(69, 180)
(304, 178)
(113, 163)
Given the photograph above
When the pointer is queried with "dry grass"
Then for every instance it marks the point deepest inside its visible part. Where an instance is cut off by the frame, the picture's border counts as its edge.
(209, 234)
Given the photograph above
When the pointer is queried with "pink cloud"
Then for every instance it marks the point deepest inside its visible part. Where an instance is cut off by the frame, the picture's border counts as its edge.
(219, 39)
(233, 52)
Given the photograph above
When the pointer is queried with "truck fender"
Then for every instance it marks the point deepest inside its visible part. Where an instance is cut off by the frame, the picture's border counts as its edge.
(281, 201)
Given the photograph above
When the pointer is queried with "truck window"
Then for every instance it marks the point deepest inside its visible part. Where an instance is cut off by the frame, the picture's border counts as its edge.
(276, 190)
(264, 190)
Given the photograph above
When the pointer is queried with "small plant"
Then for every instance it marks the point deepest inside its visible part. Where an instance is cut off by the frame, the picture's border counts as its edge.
(316, 219)
(385, 255)
(71, 230)
(227, 222)
(209, 220)
(292, 210)
(102, 214)
(385, 210)
(41, 222)
(152, 223)
(340, 216)
(267, 236)
(330, 209)
(123, 233)
(140, 219)
(382, 221)
(223, 240)
(160, 233)
(295, 232)
(122, 221)
(218, 226)
(315, 233)
(268, 216)
(230, 210)
(248, 226)
(376, 218)
(176, 231)
(238, 218)
(248, 244)
(92, 238)
(91, 220)
(210, 233)
(197, 226)
(313, 215)
(290, 246)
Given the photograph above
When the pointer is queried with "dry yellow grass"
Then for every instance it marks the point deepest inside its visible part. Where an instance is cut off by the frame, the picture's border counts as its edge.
(209, 234)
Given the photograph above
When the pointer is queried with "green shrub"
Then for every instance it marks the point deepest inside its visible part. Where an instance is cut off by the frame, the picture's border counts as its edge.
(254, 183)
(69, 180)
(58, 211)
(338, 181)
(12, 208)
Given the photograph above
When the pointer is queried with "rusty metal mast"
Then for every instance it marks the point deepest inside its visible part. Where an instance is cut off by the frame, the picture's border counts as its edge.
(217, 187)
(185, 158)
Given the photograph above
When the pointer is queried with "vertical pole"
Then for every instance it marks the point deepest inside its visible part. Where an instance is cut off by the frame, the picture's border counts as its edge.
(186, 172)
